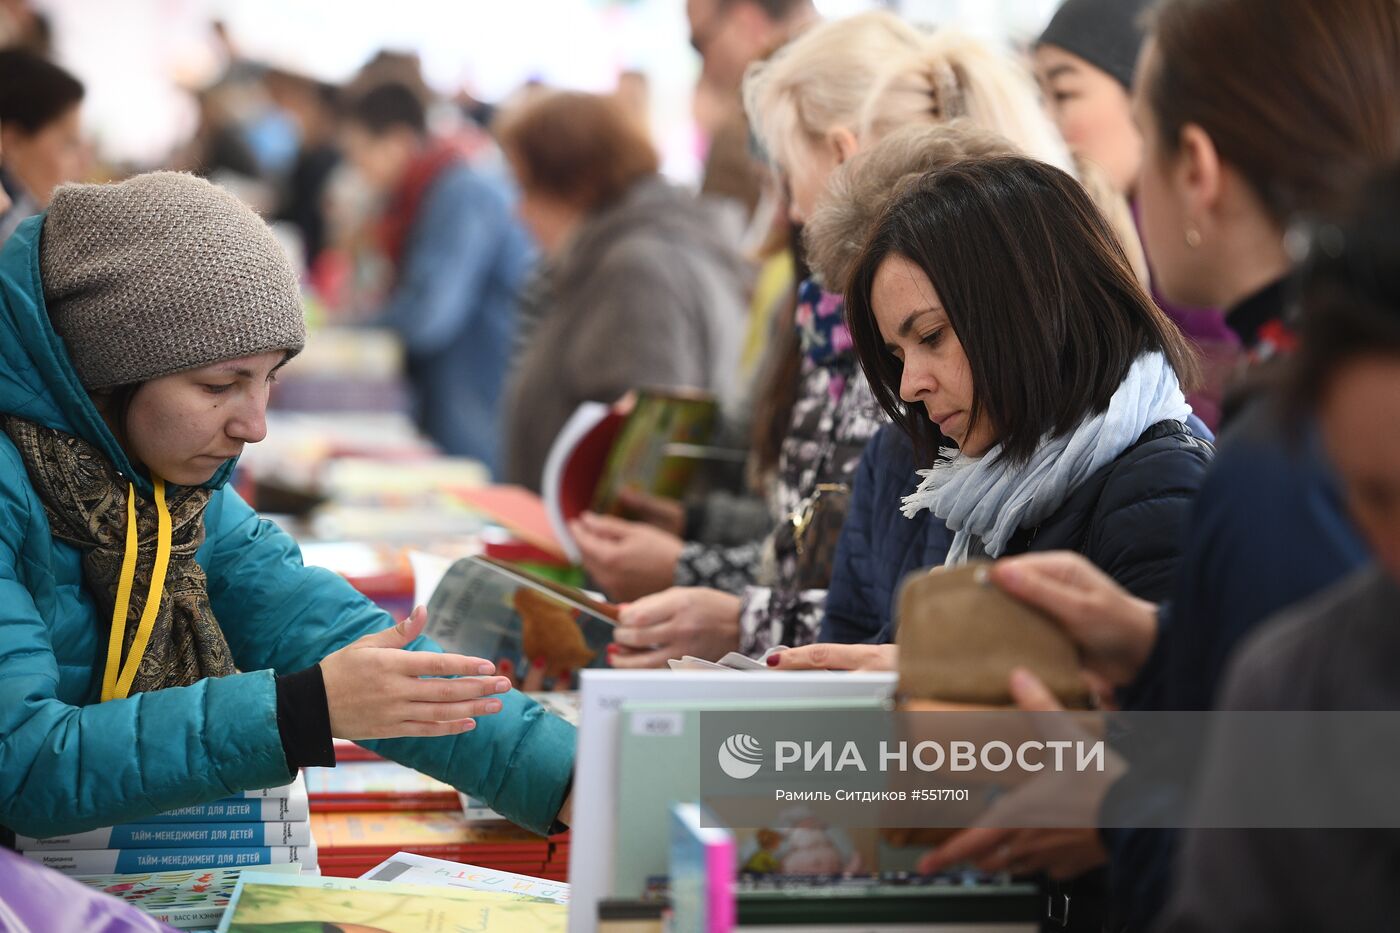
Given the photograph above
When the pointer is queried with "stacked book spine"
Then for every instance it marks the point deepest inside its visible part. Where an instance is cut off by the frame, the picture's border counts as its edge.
(266, 827)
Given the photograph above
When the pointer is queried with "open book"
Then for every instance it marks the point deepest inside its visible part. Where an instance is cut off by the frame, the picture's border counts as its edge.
(492, 610)
(654, 448)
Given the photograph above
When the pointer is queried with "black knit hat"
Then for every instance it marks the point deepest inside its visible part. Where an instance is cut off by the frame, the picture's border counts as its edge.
(1105, 33)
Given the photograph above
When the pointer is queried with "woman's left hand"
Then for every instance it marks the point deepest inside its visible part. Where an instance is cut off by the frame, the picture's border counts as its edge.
(836, 657)
(675, 623)
(628, 560)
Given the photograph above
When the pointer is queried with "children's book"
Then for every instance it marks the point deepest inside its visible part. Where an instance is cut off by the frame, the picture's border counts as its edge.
(659, 764)
(189, 899)
(269, 903)
(487, 609)
(174, 836)
(653, 448)
(407, 867)
(701, 874)
(112, 861)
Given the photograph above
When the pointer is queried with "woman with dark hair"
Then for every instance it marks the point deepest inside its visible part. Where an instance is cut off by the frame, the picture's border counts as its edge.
(40, 135)
(994, 308)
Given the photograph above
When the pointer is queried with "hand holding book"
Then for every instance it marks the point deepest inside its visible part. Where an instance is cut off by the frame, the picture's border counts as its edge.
(377, 690)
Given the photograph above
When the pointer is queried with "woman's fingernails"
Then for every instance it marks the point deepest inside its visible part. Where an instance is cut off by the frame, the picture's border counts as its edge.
(502, 685)
(539, 663)
(486, 669)
(468, 725)
(773, 659)
(492, 706)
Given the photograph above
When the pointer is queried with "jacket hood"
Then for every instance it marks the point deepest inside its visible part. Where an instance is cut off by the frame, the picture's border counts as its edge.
(37, 378)
(656, 209)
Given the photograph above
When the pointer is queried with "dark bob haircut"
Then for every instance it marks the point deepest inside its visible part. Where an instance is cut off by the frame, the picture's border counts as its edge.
(34, 92)
(1349, 290)
(1036, 287)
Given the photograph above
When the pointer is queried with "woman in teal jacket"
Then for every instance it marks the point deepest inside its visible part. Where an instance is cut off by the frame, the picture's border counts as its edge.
(160, 645)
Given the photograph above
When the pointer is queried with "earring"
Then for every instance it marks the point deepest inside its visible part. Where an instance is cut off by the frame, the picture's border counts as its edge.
(1193, 237)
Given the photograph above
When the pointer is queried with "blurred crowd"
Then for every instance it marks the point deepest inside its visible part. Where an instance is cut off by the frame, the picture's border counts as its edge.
(1117, 310)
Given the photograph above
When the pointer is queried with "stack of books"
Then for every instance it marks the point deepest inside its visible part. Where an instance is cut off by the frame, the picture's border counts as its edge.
(367, 809)
(352, 843)
(263, 827)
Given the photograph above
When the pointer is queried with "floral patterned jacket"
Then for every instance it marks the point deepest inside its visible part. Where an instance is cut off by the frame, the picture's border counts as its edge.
(833, 419)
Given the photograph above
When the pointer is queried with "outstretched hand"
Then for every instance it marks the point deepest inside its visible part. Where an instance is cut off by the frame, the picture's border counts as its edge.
(377, 690)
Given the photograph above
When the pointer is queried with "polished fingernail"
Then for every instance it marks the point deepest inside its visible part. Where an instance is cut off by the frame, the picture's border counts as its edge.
(539, 663)
(773, 659)
(506, 666)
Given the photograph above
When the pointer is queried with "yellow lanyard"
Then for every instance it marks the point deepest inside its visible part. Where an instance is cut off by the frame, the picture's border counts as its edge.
(114, 687)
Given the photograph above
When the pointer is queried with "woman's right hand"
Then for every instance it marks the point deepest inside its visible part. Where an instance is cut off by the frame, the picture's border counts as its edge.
(376, 690)
(1114, 629)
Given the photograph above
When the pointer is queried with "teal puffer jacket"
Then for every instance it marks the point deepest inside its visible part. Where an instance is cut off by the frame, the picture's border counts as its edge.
(69, 763)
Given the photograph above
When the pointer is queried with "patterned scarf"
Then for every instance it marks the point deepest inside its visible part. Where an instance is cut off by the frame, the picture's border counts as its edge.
(85, 500)
(825, 336)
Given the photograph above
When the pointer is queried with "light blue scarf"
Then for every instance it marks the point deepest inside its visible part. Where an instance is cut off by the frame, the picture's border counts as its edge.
(989, 499)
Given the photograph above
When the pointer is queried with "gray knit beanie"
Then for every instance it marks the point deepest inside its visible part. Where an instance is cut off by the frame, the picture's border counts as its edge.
(163, 273)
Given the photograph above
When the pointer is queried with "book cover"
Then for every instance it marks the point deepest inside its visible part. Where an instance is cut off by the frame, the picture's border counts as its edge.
(174, 836)
(486, 609)
(113, 861)
(425, 831)
(702, 871)
(410, 868)
(598, 776)
(262, 903)
(659, 764)
(642, 457)
(187, 900)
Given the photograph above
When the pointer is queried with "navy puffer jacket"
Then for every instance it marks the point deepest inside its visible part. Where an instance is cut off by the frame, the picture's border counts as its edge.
(1128, 518)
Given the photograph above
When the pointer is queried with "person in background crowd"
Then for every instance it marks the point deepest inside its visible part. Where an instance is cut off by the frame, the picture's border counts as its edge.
(1085, 61)
(1230, 163)
(645, 287)
(312, 105)
(459, 258)
(40, 133)
(730, 35)
(230, 664)
(1338, 650)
